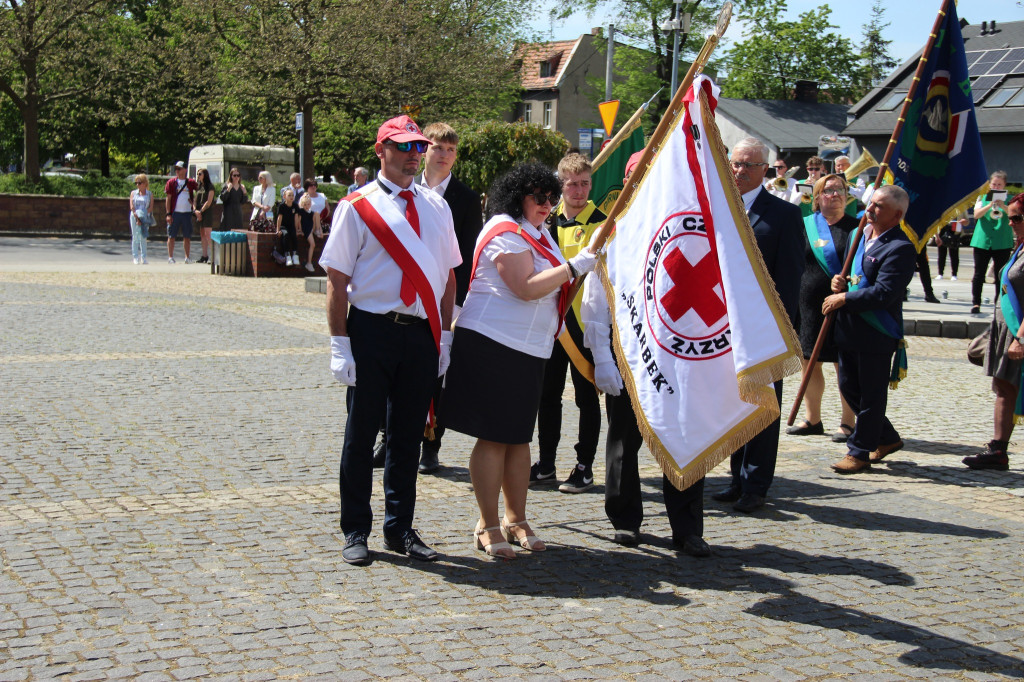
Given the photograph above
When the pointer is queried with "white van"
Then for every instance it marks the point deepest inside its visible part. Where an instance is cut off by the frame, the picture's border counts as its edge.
(219, 159)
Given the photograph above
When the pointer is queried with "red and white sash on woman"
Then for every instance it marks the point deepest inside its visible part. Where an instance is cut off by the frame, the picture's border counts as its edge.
(396, 235)
(544, 249)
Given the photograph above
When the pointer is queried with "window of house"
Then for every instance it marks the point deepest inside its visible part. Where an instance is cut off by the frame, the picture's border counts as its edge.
(545, 69)
(1001, 96)
(528, 113)
(892, 101)
(1017, 100)
(547, 114)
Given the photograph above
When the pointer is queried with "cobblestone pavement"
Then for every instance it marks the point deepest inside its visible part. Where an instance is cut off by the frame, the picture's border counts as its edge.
(169, 510)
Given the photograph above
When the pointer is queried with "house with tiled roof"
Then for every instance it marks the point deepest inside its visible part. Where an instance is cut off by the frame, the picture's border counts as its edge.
(995, 62)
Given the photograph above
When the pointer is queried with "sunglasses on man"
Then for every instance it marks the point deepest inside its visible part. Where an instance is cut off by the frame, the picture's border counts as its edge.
(420, 147)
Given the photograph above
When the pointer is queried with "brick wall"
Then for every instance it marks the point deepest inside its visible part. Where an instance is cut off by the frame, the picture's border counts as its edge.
(41, 215)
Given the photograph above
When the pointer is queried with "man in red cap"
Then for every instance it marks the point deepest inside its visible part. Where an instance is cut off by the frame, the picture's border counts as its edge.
(390, 293)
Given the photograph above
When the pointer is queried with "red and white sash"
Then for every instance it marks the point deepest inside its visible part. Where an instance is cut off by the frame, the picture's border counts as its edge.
(543, 249)
(408, 251)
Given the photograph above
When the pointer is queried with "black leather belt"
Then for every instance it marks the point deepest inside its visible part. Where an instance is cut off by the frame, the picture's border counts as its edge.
(402, 318)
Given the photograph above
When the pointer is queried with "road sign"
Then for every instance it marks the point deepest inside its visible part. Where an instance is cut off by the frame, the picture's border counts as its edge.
(608, 111)
(586, 139)
(298, 121)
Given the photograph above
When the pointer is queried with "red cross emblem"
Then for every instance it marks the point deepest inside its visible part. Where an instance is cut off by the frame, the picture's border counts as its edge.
(693, 288)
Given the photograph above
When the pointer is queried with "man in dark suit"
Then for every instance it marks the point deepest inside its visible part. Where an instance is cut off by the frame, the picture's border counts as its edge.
(869, 326)
(778, 228)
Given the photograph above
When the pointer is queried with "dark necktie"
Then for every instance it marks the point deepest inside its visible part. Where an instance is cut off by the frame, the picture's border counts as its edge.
(408, 292)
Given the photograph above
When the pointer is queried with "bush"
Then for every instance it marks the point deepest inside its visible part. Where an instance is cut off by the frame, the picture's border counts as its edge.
(91, 184)
(490, 149)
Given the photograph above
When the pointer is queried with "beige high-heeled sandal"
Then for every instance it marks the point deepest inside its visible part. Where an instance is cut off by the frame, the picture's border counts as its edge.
(528, 541)
(496, 549)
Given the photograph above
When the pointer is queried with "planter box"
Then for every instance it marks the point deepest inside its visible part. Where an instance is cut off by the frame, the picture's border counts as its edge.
(261, 248)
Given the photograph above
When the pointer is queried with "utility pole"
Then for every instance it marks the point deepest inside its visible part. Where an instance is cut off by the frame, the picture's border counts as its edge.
(608, 63)
(680, 23)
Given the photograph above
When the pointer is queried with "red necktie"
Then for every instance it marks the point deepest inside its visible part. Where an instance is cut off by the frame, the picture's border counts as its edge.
(408, 292)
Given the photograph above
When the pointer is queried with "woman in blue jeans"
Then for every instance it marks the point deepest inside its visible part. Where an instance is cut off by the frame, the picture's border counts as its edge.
(140, 218)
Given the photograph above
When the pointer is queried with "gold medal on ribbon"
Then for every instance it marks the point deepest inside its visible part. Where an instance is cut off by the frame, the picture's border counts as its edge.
(855, 279)
(820, 243)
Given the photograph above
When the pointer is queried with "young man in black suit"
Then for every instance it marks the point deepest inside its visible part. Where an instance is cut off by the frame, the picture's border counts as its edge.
(778, 228)
(885, 268)
(468, 216)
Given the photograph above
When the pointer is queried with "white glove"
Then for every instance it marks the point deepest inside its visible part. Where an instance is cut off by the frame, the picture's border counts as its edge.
(343, 365)
(607, 377)
(446, 353)
(583, 262)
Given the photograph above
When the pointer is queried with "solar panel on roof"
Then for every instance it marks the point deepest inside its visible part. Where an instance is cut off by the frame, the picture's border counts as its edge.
(982, 85)
(1017, 53)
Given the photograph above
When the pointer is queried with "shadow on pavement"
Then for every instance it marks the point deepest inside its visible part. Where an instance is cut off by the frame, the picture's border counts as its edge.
(932, 651)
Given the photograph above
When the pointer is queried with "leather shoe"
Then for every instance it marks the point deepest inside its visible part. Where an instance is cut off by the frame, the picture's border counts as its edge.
(851, 465)
(380, 453)
(730, 494)
(749, 502)
(806, 428)
(883, 450)
(355, 551)
(409, 543)
(428, 460)
(692, 545)
(997, 460)
(626, 537)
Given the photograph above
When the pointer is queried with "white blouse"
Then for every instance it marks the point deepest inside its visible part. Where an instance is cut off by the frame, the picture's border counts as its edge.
(493, 310)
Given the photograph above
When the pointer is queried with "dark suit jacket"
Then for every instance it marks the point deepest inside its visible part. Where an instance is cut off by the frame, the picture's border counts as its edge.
(888, 269)
(469, 220)
(779, 230)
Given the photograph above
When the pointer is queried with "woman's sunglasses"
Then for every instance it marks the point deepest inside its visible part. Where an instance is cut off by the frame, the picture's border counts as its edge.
(1016, 218)
(421, 147)
(540, 198)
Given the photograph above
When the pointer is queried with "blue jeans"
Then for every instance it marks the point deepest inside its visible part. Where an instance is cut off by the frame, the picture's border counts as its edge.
(140, 233)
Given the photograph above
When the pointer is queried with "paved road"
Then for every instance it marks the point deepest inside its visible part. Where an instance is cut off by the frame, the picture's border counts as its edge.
(168, 510)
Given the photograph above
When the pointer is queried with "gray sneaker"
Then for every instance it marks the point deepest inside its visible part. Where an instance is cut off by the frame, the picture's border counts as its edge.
(188, 261)
(170, 261)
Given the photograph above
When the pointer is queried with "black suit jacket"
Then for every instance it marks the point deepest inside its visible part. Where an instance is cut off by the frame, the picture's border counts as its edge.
(469, 220)
(888, 269)
(779, 230)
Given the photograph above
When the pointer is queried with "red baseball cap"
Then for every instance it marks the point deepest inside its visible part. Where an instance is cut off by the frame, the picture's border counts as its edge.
(634, 159)
(400, 129)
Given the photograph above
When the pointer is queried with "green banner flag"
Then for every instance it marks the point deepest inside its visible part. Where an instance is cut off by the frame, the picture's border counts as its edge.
(610, 166)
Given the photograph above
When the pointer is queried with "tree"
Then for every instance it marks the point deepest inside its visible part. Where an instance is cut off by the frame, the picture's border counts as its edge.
(487, 150)
(874, 51)
(638, 24)
(40, 42)
(774, 54)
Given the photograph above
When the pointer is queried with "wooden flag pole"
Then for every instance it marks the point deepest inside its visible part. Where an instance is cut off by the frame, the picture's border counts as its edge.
(852, 248)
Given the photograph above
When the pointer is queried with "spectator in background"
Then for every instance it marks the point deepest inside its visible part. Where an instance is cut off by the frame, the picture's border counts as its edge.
(856, 188)
(948, 240)
(992, 239)
(320, 205)
(140, 217)
(295, 184)
(263, 197)
(309, 225)
(361, 177)
(233, 196)
(180, 192)
(205, 195)
(287, 223)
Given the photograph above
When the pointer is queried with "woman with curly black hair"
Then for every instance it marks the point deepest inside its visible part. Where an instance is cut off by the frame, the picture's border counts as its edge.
(517, 296)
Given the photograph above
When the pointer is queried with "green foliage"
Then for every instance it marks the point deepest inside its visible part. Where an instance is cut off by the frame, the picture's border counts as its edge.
(774, 54)
(874, 51)
(487, 150)
(90, 185)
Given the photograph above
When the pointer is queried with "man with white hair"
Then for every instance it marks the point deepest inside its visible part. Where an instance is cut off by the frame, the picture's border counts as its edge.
(778, 228)
(857, 185)
(361, 177)
(869, 326)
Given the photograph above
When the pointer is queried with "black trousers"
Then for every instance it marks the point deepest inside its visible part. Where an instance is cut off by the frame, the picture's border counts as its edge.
(864, 382)
(753, 465)
(288, 242)
(549, 418)
(924, 270)
(622, 498)
(950, 243)
(396, 368)
(981, 259)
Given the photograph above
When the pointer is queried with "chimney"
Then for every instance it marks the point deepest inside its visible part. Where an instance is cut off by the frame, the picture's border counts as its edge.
(992, 26)
(597, 31)
(806, 91)
(984, 27)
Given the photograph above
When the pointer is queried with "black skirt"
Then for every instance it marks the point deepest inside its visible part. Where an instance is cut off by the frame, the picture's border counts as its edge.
(491, 391)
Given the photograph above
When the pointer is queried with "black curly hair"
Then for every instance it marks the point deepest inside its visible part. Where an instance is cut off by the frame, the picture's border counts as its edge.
(508, 191)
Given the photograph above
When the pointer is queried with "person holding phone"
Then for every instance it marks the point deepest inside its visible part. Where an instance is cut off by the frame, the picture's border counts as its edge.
(992, 238)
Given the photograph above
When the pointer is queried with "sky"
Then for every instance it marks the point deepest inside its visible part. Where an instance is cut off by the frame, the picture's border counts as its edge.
(909, 20)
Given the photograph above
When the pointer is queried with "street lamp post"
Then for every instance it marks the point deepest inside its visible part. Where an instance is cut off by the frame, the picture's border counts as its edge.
(680, 23)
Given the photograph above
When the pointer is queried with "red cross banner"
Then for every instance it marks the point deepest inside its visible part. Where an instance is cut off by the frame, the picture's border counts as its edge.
(699, 330)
